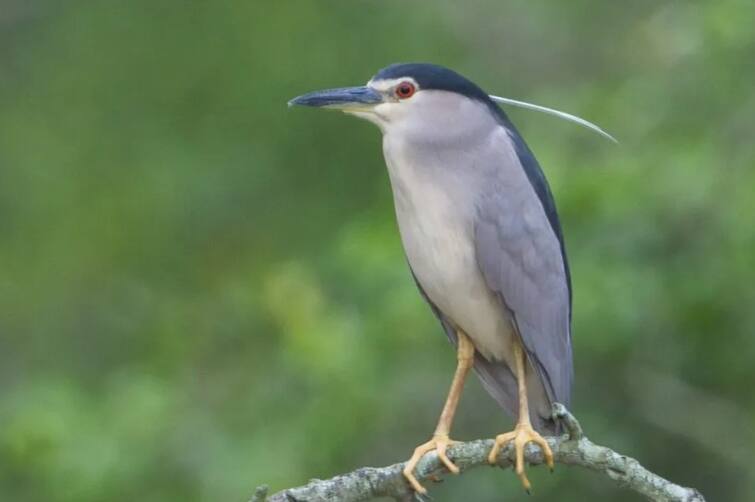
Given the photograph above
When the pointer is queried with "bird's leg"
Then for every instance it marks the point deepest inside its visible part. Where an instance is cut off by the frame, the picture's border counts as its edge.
(523, 433)
(440, 440)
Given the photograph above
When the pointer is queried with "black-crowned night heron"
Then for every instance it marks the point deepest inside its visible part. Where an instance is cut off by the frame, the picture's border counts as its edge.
(483, 240)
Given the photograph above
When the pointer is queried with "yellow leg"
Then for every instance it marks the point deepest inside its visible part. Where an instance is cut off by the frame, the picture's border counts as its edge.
(523, 433)
(440, 440)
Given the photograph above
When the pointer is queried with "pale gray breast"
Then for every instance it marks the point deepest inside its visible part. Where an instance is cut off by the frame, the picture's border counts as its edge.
(435, 197)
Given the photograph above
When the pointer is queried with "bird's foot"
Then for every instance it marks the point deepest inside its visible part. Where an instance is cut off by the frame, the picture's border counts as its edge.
(521, 435)
(439, 443)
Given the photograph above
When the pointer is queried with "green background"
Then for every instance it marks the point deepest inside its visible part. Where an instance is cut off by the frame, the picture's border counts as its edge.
(202, 290)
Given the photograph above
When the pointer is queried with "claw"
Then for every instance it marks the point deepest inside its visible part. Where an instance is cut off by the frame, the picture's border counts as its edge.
(440, 444)
(521, 435)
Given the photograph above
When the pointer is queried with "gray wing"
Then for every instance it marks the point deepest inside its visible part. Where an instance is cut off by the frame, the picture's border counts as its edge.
(520, 253)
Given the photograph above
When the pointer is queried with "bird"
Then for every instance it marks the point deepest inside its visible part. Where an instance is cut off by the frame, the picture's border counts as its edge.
(481, 233)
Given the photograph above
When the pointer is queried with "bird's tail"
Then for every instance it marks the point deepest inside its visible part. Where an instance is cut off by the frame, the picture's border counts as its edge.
(501, 384)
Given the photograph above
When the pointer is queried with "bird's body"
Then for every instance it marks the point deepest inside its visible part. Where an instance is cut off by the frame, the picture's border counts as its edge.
(436, 220)
(479, 227)
(436, 213)
(439, 190)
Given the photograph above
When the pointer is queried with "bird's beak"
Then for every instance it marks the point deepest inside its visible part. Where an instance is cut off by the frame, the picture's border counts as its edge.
(348, 99)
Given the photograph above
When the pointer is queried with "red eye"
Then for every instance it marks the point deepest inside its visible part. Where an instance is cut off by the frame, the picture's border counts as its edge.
(405, 90)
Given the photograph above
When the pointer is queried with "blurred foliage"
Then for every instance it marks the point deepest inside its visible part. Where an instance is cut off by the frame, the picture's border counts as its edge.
(203, 291)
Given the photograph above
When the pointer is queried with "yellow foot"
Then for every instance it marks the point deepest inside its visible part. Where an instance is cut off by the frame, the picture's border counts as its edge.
(521, 435)
(439, 443)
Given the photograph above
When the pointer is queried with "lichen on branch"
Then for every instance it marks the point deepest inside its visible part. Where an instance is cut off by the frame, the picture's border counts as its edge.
(572, 448)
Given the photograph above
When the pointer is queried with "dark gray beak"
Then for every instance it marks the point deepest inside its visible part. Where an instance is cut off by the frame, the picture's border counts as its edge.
(346, 98)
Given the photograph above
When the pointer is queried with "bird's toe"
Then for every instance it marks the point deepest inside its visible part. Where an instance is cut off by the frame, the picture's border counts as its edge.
(440, 444)
(520, 436)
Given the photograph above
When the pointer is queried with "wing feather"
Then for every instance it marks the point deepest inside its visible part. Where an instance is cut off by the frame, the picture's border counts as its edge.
(521, 257)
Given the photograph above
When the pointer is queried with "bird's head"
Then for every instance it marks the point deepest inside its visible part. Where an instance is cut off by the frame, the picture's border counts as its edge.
(408, 95)
(402, 94)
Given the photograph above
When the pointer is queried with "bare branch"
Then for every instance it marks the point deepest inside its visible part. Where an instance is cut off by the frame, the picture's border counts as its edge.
(571, 449)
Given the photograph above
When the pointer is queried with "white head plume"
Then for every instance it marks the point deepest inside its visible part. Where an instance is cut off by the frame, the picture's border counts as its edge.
(557, 113)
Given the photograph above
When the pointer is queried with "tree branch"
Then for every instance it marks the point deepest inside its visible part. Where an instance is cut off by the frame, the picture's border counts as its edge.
(571, 449)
